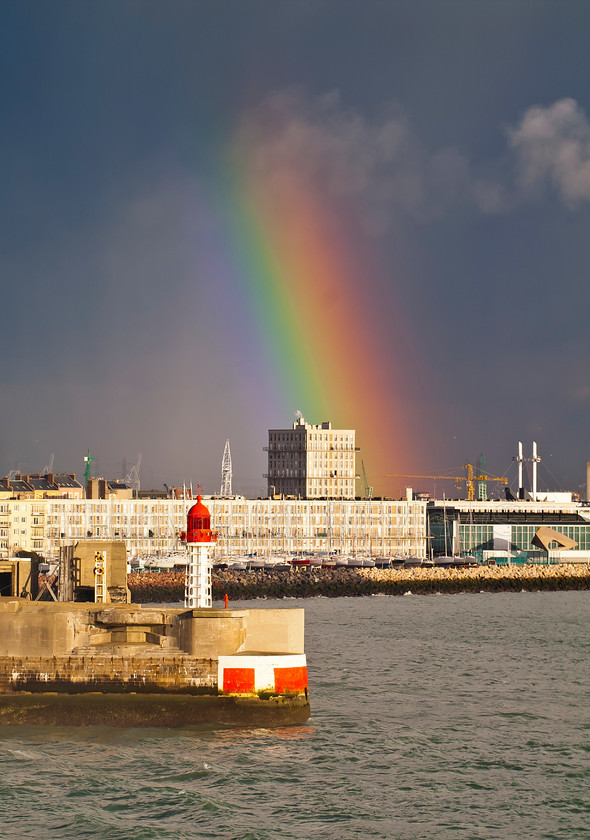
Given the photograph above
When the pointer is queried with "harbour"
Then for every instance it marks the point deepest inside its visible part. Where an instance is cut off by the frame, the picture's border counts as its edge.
(294, 464)
(83, 656)
(197, 664)
(430, 717)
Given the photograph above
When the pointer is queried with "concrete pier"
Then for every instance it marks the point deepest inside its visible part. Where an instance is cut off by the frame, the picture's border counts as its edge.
(127, 665)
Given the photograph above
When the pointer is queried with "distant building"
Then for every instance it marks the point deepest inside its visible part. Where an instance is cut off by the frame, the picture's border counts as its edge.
(284, 527)
(311, 462)
(159, 494)
(264, 527)
(96, 488)
(16, 488)
(69, 486)
(510, 531)
(102, 488)
(41, 486)
(119, 490)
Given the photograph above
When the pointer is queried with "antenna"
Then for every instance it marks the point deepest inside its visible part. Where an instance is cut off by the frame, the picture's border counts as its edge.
(226, 472)
(520, 460)
(132, 477)
(535, 459)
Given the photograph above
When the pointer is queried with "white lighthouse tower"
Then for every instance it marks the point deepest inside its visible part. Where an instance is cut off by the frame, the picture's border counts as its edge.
(197, 592)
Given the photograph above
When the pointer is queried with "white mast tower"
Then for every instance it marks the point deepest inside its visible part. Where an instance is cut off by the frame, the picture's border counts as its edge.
(535, 459)
(520, 460)
(226, 473)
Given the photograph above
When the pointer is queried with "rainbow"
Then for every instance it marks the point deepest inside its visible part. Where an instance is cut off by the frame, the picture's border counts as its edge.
(319, 293)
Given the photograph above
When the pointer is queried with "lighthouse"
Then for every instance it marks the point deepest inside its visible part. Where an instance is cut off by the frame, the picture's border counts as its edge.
(199, 537)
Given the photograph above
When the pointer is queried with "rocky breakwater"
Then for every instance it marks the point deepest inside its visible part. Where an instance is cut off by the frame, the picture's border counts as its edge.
(156, 587)
(425, 580)
(307, 582)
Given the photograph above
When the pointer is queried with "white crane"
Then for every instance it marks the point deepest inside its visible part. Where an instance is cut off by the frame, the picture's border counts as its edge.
(49, 467)
(132, 477)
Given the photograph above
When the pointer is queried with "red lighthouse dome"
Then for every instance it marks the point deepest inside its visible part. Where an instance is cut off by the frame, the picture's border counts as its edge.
(198, 524)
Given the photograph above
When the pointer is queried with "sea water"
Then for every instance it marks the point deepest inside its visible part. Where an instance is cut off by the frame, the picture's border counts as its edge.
(451, 716)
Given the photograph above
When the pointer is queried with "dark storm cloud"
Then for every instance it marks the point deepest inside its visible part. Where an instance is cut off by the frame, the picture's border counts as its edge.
(458, 135)
(394, 181)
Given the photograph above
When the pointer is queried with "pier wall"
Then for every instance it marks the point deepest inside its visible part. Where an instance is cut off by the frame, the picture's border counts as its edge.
(107, 674)
(237, 631)
(43, 629)
(123, 665)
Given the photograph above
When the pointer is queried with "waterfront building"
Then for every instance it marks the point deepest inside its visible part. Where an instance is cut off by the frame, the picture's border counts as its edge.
(285, 527)
(507, 530)
(245, 526)
(102, 488)
(311, 461)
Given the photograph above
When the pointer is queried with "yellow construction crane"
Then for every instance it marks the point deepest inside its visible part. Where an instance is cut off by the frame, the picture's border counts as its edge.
(469, 479)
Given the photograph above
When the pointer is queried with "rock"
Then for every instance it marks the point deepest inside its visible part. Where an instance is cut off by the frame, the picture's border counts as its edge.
(162, 587)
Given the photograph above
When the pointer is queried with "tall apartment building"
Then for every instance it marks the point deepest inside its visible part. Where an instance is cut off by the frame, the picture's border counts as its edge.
(311, 462)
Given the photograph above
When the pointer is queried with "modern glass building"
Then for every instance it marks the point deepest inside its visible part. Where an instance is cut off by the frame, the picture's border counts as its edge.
(460, 529)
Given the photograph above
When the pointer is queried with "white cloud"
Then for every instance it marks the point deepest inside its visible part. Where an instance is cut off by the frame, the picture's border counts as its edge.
(552, 146)
(382, 168)
(379, 165)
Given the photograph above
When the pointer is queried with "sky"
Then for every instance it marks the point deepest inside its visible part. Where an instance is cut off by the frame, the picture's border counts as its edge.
(216, 214)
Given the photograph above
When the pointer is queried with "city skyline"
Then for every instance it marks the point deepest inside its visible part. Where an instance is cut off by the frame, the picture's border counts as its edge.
(218, 214)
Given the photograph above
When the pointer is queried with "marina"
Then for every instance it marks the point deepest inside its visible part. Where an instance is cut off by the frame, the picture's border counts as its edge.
(463, 714)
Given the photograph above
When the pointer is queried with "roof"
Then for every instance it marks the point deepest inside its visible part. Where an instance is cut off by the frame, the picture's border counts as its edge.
(17, 485)
(40, 482)
(199, 509)
(66, 480)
